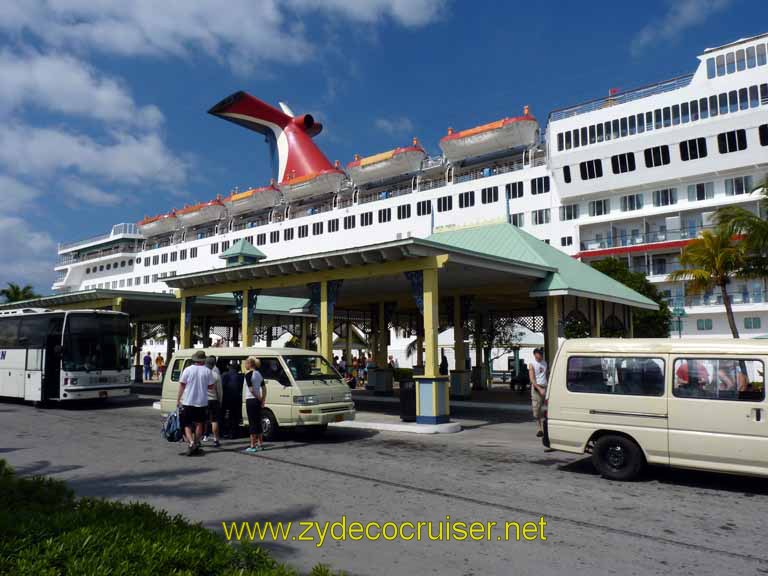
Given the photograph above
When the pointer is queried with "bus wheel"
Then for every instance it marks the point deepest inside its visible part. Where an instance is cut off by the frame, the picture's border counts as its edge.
(269, 425)
(617, 457)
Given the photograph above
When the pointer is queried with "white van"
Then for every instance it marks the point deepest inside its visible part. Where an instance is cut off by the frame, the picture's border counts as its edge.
(303, 389)
(696, 404)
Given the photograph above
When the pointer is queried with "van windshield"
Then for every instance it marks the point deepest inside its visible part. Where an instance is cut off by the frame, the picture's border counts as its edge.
(312, 368)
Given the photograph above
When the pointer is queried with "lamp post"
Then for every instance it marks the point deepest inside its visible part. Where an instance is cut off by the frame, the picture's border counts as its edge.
(678, 312)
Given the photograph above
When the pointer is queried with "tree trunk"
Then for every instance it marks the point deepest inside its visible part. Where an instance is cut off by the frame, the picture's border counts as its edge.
(729, 311)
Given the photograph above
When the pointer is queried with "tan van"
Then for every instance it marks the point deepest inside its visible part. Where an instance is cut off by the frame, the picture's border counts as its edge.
(696, 404)
(303, 389)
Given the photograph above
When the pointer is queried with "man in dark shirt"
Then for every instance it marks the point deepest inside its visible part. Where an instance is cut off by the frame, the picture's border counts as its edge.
(232, 405)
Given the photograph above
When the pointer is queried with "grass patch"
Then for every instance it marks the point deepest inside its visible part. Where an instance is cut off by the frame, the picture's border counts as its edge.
(46, 531)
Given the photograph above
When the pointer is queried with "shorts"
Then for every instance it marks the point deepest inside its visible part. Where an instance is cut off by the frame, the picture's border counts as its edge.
(193, 415)
(253, 410)
(214, 411)
(537, 403)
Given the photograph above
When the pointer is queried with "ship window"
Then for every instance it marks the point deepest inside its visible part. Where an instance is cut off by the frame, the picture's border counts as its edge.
(349, 222)
(591, 169)
(366, 218)
(540, 217)
(738, 185)
(489, 195)
(649, 121)
(721, 65)
(403, 211)
(467, 199)
(600, 132)
(743, 98)
(632, 126)
(423, 208)
(137, 281)
(333, 225)
(694, 110)
(560, 145)
(741, 61)
(445, 203)
(568, 140)
(623, 127)
(656, 156)
(515, 190)
(193, 252)
(174, 256)
(214, 249)
(733, 141)
(697, 192)
(657, 118)
(146, 279)
(764, 94)
(733, 100)
(711, 68)
(87, 270)
(631, 202)
(599, 207)
(517, 219)
(761, 56)
(146, 261)
(592, 134)
(640, 123)
(607, 126)
(665, 197)
(567, 174)
(622, 163)
(667, 117)
(676, 114)
(615, 127)
(385, 215)
(183, 254)
(685, 115)
(317, 229)
(164, 257)
(705, 105)
(569, 212)
(730, 63)
(754, 101)
(155, 260)
(751, 57)
(274, 237)
(303, 231)
(540, 185)
(584, 136)
(763, 130)
(693, 149)
(566, 241)
(225, 245)
(287, 234)
(576, 138)
(723, 99)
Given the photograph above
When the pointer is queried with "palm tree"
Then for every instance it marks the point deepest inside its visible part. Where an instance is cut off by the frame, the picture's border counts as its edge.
(709, 262)
(16, 293)
(751, 229)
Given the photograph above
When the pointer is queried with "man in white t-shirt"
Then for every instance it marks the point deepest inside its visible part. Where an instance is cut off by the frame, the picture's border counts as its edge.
(193, 399)
(537, 373)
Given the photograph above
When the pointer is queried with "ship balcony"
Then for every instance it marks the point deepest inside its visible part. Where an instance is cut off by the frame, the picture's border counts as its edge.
(124, 229)
(74, 258)
(628, 242)
(711, 300)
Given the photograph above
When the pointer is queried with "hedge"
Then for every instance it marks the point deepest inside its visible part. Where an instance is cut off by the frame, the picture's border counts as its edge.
(46, 531)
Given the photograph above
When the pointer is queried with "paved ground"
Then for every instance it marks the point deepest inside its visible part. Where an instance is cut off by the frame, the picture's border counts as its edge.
(670, 522)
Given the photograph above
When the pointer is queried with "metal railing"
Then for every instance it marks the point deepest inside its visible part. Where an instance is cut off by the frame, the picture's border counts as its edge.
(73, 258)
(622, 97)
(716, 299)
(384, 194)
(600, 242)
(117, 229)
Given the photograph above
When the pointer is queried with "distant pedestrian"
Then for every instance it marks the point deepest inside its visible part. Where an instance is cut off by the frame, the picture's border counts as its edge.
(215, 396)
(537, 372)
(232, 406)
(147, 366)
(443, 363)
(255, 397)
(193, 399)
(160, 366)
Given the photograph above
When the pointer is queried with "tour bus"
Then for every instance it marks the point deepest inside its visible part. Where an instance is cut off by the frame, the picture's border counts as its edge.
(696, 404)
(303, 388)
(64, 355)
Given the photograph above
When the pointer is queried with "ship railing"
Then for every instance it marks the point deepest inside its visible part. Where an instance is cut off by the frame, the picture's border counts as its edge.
(72, 258)
(384, 194)
(303, 212)
(249, 223)
(623, 97)
(600, 242)
(716, 299)
(117, 229)
(431, 184)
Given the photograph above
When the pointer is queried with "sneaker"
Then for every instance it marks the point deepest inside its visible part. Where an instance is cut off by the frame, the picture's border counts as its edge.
(539, 434)
(191, 449)
(250, 450)
(206, 438)
(216, 444)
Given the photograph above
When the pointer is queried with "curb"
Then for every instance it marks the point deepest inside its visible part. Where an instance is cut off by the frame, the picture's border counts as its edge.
(447, 428)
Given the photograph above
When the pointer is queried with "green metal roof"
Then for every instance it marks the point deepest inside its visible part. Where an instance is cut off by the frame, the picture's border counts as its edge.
(243, 248)
(568, 276)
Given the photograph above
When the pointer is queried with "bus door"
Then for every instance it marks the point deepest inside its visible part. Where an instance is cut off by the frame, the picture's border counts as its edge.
(51, 384)
(33, 375)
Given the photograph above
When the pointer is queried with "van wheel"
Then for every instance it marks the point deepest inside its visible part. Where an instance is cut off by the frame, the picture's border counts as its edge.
(269, 425)
(617, 457)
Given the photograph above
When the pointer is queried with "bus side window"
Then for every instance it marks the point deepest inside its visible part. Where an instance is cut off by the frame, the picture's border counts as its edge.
(178, 368)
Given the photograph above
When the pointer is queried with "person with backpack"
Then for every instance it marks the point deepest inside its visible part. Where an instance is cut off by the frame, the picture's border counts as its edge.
(255, 398)
(193, 400)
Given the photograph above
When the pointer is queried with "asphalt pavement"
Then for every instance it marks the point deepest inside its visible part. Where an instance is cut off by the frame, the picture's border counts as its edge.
(669, 522)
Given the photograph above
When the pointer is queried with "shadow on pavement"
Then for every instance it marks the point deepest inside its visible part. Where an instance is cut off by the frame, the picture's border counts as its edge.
(44, 468)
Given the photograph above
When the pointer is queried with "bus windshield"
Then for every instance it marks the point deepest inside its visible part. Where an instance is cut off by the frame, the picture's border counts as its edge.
(311, 368)
(96, 342)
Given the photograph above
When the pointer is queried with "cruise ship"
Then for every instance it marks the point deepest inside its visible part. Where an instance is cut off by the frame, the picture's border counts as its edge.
(634, 175)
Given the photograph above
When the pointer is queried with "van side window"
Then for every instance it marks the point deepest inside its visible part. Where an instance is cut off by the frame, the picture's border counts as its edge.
(178, 368)
(719, 379)
(271, 369)
(625, 375)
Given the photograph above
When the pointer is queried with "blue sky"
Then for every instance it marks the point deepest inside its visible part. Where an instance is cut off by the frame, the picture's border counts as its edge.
(102, 105)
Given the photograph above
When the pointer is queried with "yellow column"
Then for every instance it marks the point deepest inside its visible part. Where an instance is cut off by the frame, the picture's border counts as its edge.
(117, 304)
(185, 324)
(304, 335)
(246, 330)
(325, 324)
(459, 350)
(431, 297)
(552, 324)
(597, 321)
(631, 327)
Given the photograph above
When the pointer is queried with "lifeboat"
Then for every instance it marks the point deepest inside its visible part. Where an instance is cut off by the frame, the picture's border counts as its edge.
(200, 213)
(386, 164)
(489, 138)
(154, 225)
(253, 199)
(313, 184)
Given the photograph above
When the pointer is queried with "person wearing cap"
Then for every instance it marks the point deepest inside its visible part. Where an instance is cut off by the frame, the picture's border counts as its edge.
(193, 399)
(537, 372)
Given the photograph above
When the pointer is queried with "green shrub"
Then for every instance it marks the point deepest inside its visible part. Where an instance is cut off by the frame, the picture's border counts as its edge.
(46, 531)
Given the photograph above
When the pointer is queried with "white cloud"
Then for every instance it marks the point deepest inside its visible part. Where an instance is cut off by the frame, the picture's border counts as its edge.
(27, 253)
(125, 158)
(411, 13)
(68, 86)
(16, 195)
(80, 192)
(399, 126)
(680, 15)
